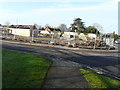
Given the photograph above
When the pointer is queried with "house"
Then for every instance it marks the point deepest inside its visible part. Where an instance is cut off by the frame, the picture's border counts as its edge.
(82, 36)
(69, 35)
(21, 26)
(45, 32)
(51, 29)
(2, 30)
(91, 35)
(23, 32)
(108, 39)
(20, 32)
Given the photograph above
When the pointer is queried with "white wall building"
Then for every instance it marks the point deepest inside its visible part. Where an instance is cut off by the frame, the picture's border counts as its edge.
(20, 32)
(44, 32)
(82, 36)
(23, 32)
(109, 41)
(90, 35)
(69, 34)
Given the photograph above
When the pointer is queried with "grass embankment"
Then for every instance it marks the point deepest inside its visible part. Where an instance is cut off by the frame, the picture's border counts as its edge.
(99, 81)
(22, 70)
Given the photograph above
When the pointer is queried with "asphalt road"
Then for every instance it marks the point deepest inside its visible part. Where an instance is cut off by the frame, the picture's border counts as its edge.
(103, 60)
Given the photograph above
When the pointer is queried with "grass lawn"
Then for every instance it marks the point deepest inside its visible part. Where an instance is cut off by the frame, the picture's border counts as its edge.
(99, 81)
(21, 70)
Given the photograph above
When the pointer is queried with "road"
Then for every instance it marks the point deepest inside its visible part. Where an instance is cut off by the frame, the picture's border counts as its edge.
(107, 61)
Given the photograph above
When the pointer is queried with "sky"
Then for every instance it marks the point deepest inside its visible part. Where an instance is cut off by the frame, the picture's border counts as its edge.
(56, 12)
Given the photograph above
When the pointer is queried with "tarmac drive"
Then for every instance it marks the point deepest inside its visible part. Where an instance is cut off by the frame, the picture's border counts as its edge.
(65, 73)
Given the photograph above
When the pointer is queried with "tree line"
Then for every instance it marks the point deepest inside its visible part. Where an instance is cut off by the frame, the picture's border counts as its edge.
(80, 27)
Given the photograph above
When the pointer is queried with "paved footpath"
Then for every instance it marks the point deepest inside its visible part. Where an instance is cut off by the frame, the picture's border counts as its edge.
(64, 74)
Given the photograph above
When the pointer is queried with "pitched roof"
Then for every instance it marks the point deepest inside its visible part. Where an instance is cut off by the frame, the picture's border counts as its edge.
(53, 29)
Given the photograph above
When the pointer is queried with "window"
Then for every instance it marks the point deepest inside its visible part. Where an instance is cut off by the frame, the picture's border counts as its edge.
(71, 36)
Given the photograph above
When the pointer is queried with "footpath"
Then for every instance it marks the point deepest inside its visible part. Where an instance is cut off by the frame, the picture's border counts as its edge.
(64, 74)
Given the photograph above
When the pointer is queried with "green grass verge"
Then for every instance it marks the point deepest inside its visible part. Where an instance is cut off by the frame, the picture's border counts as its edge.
(99, 81)
(21, 70)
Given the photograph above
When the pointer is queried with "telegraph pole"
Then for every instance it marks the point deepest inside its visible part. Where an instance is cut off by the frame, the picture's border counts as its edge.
(14, 35)
(75, 39)
(16, 28)
(95, 39)
(32, 35)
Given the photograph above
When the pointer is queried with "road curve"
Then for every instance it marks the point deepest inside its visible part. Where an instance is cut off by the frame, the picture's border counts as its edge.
(64, 56)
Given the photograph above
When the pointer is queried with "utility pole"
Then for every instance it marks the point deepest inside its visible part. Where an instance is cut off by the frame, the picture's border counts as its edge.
(52, 38)
(32, 35)
(69, 40)
(95, 43)
(14, 35)
(95, 39)
(7, 30)
(75, 38)
(16, 28)
(105, 38)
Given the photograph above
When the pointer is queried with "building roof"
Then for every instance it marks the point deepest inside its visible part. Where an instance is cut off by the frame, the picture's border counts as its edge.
(52, 29)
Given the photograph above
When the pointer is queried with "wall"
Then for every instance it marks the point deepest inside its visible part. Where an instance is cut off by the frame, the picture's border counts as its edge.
(20, 32)
(69, 34)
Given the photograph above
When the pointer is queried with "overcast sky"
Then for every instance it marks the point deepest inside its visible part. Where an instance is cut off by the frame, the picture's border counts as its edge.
(56, 12)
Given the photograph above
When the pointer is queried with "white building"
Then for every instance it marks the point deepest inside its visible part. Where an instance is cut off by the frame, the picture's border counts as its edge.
(20, 32)
(91, 35)
(69, 35)
(82, 36)
(109, 41)
(23, 32)
(44, 32)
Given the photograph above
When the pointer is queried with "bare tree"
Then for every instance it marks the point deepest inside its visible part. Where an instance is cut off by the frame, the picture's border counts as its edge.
(63, 27)
(46, 25)
(99, 27)
(7, 23)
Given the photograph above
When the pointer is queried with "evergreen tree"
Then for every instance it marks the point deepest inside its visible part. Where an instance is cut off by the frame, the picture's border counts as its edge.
(78, 25)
